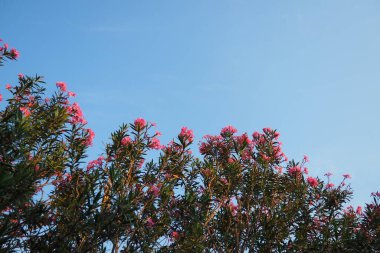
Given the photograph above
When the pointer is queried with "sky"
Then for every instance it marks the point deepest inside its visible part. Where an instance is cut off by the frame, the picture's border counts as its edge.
(309, 69)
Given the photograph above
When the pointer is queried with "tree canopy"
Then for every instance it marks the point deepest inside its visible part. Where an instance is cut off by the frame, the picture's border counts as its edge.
(241, 194)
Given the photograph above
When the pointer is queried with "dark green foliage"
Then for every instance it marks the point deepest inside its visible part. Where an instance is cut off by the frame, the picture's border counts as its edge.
(240, 195)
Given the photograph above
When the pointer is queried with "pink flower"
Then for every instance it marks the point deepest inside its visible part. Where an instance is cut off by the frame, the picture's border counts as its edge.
(76, 114)
(25, 111)
(359, 210)
(149, 222)
(316, 221)
(347, 176)
(100, 160)
(294, 170)
(256, 135)
(154, 190)
(62, 86)
(349, 209)
(223, 180)
(140, 123)
(186, 134)
(155, 143)
(246, 138)
(71, 94)
(93, 163)
(1, 97)
(330, 185)
(328, 174)
(306, 158)
(312, 181)
(90, 137)
(14, 53)
(90, 165)
(126, 141)
(8, 87)
(20, 76)
(175, 235)
(228, 130)
(265, 157)
(267, 130)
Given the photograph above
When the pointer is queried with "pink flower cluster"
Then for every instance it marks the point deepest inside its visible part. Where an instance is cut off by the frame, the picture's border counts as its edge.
(260, 147)
(62, 86)
(312, 181)
(140, 123)
(350, 211)
(295, 170)
(267, 130)
(97, 162)
(211, 142)
(155, 144)
(347, 176)
(154, 190)
(8, 87)
(228, 131)
(359, 210)
(256, 135)
(90, 137)
(186, 134)
(13, 53)
(175, 235)
(126, 141)
(76, 114)
(25, 111)
(149, 222)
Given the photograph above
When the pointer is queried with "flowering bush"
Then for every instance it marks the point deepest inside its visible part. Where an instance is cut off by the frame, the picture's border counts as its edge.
(241, 194)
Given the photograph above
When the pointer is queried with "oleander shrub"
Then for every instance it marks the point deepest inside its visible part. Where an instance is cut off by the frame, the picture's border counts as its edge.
(239, 194)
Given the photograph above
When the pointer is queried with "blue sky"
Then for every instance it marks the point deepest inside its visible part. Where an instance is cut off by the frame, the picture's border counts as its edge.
(307, 68)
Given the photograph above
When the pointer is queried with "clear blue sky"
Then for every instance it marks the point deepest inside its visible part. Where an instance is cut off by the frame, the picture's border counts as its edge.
(307, 68)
